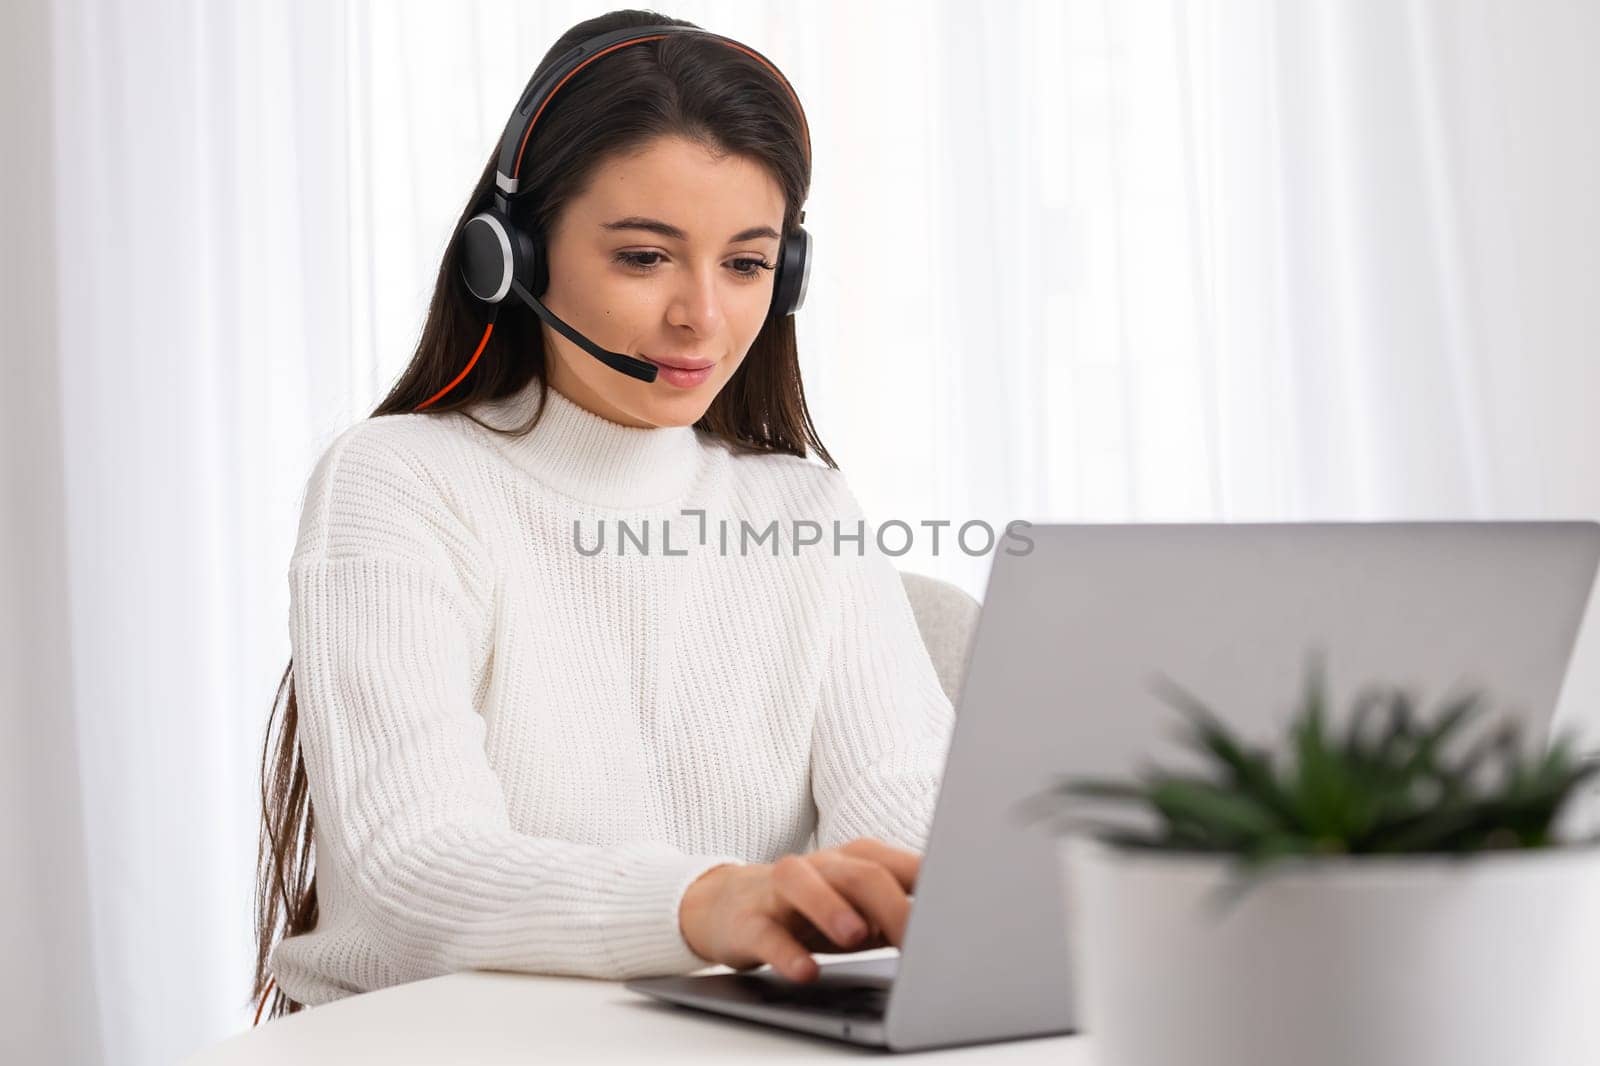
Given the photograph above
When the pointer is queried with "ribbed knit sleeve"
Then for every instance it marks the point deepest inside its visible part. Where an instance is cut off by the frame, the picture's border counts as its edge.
(883, 723)
(390, 607)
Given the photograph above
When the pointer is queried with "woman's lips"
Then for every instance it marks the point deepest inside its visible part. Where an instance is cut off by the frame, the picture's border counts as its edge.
(682, 377)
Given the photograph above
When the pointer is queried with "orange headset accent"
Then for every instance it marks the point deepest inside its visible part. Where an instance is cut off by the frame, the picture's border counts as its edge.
(470, 364)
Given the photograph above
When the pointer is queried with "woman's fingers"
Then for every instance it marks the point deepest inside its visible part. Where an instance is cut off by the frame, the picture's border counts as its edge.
(772, 943)
(803, 887)
(871, 888)
(850, 898)
(905, 865)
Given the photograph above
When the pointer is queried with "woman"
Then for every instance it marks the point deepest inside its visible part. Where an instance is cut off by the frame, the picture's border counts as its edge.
(534, 742)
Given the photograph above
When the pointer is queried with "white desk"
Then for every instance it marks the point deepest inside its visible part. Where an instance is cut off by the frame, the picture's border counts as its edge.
(489, 1019)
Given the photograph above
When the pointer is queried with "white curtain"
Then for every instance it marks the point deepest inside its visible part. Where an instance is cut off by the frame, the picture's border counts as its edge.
(1078, 260)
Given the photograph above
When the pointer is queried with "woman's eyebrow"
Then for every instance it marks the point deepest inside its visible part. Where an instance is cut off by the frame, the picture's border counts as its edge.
(666, 229)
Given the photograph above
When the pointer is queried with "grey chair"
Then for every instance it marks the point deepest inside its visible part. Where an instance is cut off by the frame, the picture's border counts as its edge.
(947, 617)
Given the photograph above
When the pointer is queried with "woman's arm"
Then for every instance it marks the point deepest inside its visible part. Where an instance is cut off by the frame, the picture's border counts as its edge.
(386, 615)
(883, 723)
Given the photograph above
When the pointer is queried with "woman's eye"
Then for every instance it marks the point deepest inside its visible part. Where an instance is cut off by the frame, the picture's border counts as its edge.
(637, 259)
(750, 268)
(644, 262)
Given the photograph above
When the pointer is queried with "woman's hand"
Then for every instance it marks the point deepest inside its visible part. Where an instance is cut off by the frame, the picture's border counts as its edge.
(849, 898)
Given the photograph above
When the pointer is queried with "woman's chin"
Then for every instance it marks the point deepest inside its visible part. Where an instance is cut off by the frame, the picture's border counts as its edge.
(678, 407)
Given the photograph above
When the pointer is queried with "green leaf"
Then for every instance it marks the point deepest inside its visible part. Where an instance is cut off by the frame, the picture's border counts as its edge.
(1249, 770)
(1433, 739)
(1371, 699)
(1203, 805)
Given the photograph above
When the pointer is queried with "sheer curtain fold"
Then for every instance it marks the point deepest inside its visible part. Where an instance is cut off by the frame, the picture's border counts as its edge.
(1081, 260)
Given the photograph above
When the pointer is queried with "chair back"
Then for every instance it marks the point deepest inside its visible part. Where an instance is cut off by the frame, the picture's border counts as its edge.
(947, 617)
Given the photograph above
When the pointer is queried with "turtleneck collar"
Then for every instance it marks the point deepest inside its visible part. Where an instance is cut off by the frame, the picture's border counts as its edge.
(590, 458)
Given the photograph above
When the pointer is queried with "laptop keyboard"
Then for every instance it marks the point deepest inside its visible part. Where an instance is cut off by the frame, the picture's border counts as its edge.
(849, 998)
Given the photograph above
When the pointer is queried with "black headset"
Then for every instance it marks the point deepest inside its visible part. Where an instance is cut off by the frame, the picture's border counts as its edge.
(499, 257)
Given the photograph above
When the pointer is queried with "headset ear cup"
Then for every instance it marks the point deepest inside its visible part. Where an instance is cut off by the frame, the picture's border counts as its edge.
(533, 261)
(486, 256)
(794, 272)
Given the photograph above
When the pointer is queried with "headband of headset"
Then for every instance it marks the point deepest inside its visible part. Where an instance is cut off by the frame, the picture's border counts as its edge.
(542, 87)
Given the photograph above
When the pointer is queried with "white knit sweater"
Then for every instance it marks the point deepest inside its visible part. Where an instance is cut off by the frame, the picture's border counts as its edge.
(520, 755)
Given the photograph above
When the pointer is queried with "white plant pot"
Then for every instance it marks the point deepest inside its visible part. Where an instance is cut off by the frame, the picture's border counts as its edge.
(1405, 961)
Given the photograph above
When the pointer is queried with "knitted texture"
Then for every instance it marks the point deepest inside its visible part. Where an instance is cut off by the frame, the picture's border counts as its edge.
(527, 732)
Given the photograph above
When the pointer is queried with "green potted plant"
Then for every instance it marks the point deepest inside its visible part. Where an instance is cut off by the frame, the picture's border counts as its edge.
(1391, 889)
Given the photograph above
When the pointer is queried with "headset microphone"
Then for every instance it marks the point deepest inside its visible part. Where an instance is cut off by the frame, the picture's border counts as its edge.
(498, 257)
(634, 368)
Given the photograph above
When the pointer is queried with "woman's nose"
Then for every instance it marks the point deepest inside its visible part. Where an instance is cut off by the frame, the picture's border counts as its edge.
(697, 303)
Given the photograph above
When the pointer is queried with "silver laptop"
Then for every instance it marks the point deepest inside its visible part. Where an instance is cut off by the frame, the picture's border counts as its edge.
(1058, 682)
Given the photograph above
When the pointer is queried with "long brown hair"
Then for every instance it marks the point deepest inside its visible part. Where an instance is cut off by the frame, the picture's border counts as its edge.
(685, 86)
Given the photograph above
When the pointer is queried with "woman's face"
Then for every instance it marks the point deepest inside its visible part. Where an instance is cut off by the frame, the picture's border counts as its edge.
(696, 297)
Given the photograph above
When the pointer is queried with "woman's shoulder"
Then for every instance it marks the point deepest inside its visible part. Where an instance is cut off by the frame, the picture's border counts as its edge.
(427, 444)
(383, 449)
(387, 471)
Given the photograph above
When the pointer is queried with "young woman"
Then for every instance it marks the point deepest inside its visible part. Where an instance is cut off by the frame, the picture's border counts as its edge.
(532, 742)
